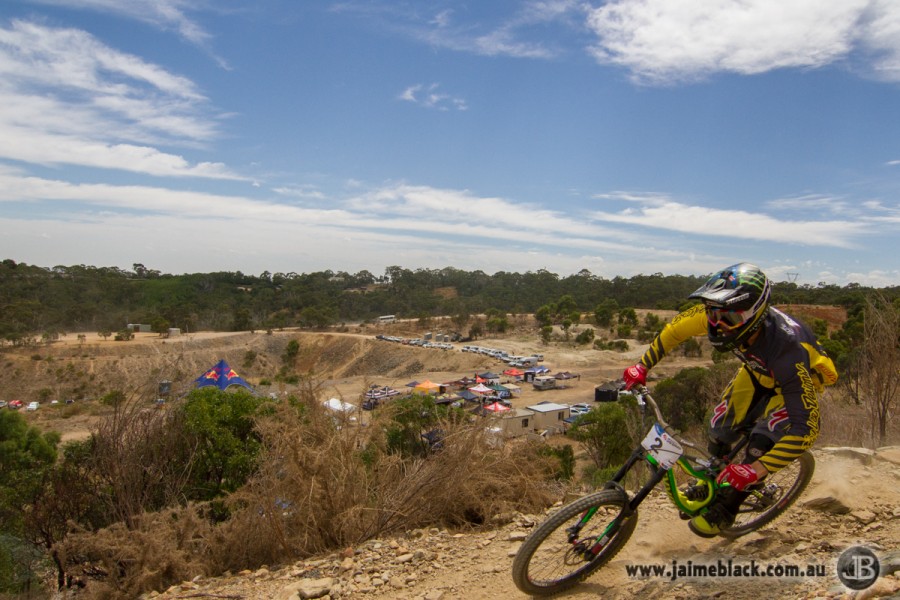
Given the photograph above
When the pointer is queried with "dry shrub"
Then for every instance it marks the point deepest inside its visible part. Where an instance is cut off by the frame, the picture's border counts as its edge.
(323, 483)
(158, 550)
(142, 459)
(846, 423)
(322, 487)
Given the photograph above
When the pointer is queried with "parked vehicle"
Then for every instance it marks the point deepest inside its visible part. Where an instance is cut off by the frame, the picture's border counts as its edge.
(33, 406)
(15, 404)
(544, 382)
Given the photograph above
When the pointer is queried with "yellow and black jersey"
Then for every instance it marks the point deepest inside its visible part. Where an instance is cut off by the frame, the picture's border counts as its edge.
(785, 358)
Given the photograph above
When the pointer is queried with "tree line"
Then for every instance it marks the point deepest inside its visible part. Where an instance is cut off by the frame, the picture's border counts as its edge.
(41, 302)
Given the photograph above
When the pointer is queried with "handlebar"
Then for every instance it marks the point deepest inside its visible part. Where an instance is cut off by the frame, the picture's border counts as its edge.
(644, 396)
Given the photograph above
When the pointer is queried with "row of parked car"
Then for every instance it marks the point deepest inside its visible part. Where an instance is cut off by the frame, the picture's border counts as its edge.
(17, 404)
(502, 355)
(415, 342)
(513, 361)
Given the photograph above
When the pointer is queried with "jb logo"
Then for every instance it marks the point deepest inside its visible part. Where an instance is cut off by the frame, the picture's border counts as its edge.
(858, 568)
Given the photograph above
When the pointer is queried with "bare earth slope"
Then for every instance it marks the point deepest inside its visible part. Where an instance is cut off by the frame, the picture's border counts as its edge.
(442, 565)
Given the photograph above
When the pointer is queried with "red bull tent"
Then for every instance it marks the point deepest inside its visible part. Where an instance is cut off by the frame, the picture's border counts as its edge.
(221, 376)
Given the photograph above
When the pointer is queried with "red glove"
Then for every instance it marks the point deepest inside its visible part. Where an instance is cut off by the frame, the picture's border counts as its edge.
(635, 375)
(738, 476)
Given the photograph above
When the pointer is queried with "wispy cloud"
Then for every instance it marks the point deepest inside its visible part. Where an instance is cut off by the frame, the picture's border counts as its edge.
(70, 99)
(878, 212)
(664, 41)
(167, 15)
(470, 29)
(814, 204)
(429, 97)
(660, 213)
(394, 223)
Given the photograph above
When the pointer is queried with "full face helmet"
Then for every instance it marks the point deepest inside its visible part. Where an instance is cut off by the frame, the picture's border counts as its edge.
(736, 300)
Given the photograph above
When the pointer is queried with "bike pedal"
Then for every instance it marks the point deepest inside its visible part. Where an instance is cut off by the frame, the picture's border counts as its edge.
(684, 516)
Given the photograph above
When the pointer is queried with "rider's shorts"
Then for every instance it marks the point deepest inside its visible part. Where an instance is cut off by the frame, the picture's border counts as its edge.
(748, 406)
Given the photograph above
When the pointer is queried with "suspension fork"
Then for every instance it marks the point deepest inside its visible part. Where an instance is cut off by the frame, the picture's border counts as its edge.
(627, 510)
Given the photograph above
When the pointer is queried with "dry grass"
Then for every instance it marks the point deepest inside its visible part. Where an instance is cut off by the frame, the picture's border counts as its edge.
(845, 423)
(322, 485)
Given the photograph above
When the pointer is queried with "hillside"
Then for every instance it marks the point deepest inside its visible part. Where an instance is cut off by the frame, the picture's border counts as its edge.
(344, 364)
(437, 564)
(857, 488)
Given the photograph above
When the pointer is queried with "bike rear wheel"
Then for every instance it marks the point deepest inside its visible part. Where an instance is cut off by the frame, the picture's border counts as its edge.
(779, 491)
(548, 562)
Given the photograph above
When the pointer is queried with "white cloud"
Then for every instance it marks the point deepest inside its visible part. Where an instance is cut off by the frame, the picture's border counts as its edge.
(74, 60)
(813, 204)
(430, 97)
(45, 222)
(737, 224)
(881, 36)
(164, 14)
(669, 40)
(69, 99)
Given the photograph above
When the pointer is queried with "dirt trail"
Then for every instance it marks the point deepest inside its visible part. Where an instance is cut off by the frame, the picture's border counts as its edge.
(440, 565)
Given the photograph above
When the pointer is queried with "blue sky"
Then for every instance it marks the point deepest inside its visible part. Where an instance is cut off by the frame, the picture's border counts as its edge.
(622, 137)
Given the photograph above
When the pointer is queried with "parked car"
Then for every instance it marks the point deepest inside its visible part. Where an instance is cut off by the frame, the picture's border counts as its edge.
(33, 406)
(15, 404)
(2, 403)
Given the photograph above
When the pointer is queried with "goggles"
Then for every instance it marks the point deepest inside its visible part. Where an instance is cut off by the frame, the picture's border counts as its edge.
(727, 319)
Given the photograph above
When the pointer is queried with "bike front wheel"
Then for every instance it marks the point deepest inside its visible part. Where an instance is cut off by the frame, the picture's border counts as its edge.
(565, 549)
(778, 491)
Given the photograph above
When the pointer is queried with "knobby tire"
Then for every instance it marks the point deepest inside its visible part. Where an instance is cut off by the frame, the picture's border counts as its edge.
(546, 563)
(790, 482)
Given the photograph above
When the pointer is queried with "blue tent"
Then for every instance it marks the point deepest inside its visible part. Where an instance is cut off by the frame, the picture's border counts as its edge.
(221, 376)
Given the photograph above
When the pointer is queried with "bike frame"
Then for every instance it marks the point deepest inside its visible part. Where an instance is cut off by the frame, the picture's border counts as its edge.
(704, 468)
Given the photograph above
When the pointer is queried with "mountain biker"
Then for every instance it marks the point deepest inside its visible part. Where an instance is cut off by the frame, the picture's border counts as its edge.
(775, 390)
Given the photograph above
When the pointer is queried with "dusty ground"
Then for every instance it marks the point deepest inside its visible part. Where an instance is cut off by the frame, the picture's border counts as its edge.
(460, 565)
(344, 363)
(441, 565)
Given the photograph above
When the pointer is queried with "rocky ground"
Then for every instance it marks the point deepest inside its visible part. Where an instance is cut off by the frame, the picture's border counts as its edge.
(851, 501)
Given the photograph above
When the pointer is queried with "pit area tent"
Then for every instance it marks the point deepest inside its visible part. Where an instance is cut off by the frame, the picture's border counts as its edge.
(481, 389)
(222, 376)
(339, 406)
(428, 387)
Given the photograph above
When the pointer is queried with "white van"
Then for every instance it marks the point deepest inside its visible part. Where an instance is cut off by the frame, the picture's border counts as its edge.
(544, 382)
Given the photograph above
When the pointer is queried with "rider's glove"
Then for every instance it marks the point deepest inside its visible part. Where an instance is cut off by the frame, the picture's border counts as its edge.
(635, 375)
(738, 476)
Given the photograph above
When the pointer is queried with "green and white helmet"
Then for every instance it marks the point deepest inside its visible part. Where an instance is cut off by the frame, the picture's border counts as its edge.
(736, 300)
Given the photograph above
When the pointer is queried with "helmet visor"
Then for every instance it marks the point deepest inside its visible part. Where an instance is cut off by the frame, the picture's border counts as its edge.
(727, 319)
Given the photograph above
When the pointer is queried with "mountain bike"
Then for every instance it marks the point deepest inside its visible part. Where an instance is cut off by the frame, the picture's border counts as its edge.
(586, 534)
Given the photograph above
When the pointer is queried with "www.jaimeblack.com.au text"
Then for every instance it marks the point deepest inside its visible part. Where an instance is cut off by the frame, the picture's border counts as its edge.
(724, 569)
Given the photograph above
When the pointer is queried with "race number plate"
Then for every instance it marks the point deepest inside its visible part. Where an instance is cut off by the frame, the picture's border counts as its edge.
(662, 446)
